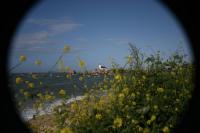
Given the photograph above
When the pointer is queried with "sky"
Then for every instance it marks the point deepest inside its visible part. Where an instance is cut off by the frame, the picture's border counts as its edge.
(97, 32)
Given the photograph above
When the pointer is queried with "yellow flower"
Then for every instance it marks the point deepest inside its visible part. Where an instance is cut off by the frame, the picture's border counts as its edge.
(173, 73)
(49, 97)
(68, 76)
(160, 90)
(40, 83)
(80, 78)
(85, 86)
(18, 80)
(67, 68)
(41, 105)
(34, 76)
(82, 63)
(147, 95)
(149, 122)
(118, 77)
(165, 129)
(155, 107)
(146, 130)
(19, 103)
(148, 98)
(117, 122)
(22, 91)
(125, 91)
(62, 92)
(26, 82)
(140, 129)
(31, 85)
(26, 94)
(134, 103)
(133, 78)
(74, 106)
(22, 58)
(121, 96)
(138, 93)
(153, 118)
(143, 77)
(133, 95)
(134, 121)
(66, 130)
(66, 49)
(38, 62)
(39, 94)
(129, 59)
(98, 116)
(177, 100)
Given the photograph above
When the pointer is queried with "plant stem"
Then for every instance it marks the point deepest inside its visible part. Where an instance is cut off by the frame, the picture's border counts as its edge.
(12, 68)
(60, 57)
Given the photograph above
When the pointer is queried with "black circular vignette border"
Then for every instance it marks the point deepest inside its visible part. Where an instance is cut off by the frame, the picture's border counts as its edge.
(188, 14)
(12, 11)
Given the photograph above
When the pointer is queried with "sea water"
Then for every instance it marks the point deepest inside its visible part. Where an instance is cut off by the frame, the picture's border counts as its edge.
(52, 83)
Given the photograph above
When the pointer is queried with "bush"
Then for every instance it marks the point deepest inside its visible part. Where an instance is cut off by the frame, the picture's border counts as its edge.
(138, 99)
(145, 95)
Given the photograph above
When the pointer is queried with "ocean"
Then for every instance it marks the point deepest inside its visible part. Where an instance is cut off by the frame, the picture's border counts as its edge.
(51, 82)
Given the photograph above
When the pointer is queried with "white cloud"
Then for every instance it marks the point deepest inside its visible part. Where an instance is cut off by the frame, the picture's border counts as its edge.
(50, 28)
(32, 38)
(56, 26)
(36, 49)
(61, 28)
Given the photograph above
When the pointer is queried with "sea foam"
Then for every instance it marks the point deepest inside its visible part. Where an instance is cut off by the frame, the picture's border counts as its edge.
(28, 113)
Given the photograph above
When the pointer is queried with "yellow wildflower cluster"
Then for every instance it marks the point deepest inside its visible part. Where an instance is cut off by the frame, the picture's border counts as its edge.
(40, 82)
(153, 118)
(98, 116)
(160, 90)
(66, 49)
(26, 94)
(118, 77)
(18, 80)
(38, 62)
(39, 95)
(125, 100)
(165, 129)
(117, 122)
(82, 63)
(68, 76)
(62, 92)
(49, 97)
(22, 58)
(129, 59)
(31, 85)
(81, 78)
(66, 130)
(22, 91)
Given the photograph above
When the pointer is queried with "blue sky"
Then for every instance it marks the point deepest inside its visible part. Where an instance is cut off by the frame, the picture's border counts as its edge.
(96, 30)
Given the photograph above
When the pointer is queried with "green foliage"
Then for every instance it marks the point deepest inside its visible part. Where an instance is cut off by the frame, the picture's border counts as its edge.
(148, 96)
(149, 99)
